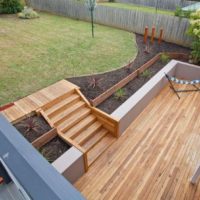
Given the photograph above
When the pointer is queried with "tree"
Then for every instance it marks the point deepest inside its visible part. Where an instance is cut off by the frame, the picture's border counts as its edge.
(10, 6)
(91, 4)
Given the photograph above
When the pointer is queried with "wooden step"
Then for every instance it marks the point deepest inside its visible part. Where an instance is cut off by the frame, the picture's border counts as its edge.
(99, 148)
(83, 124)
(67, 113)
(57, 108)
(57, 100)
(88, 133)
(74, 119)
(95, 139)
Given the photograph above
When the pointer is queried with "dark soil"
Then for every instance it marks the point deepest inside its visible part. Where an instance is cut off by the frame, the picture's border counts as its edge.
(112, 103)
(108, 79)
(32, 127)
(54, 149)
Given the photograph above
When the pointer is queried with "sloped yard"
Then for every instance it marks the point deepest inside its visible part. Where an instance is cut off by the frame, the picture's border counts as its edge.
(36, 53)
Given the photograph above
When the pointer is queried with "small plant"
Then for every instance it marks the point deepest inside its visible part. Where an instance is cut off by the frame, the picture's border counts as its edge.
(47, 154)
(28, 13)
(128, 67)
(10, 6)
(120, 94)
(30, 124)
(146, 73)
(94, 82)
(164, 58)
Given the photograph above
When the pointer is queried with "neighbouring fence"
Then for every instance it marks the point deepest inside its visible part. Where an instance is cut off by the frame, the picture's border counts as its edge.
(131, 20)
(163, 4)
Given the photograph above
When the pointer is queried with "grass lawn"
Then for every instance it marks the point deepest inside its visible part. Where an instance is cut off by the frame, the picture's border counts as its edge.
(137, 7)
(36, 53)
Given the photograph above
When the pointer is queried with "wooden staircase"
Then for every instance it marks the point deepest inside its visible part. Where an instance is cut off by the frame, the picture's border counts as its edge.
(87, 128)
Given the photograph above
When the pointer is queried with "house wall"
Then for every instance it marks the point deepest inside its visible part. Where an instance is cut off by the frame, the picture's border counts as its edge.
(39, 179)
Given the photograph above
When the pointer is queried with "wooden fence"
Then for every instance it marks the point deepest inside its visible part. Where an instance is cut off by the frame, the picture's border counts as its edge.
(131, 20)
(162, 4)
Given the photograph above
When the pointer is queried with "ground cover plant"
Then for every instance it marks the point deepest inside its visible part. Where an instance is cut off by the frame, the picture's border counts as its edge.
(194, 31)
(137, 7)
(36, 53)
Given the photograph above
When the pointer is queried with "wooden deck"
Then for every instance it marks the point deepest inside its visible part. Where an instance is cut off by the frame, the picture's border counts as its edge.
(155, 158)
(34, 101)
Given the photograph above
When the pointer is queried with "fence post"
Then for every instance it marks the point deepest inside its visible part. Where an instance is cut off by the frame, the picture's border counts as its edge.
(145, 34)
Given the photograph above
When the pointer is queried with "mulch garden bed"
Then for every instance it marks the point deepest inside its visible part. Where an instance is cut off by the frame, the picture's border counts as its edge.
(54, 149)
(32, 127)
(107, 80)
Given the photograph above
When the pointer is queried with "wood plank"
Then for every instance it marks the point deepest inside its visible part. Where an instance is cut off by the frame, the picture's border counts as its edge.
(55, 109)
(74, 119)
(39, 142)
(95, 139)
(155, 158)
(65, 114)
(98, 149)
(88, 133)
(83, 124)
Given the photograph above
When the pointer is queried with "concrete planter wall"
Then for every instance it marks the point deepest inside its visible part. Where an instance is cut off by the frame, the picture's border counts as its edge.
(70, 164)
(131, 108)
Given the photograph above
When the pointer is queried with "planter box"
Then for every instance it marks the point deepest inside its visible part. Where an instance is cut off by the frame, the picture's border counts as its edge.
(131, 108)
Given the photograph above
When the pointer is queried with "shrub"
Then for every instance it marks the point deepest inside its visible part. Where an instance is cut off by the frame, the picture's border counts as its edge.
(146, 73)
(28, 13)
(120, 94)
(164, 58)
(10, 6)
(181, 13)
(194, 32)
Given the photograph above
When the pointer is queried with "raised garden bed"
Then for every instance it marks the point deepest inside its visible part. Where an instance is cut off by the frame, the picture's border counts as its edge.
(54, 149)
(32, 127)
(104, 82)
(38, 132)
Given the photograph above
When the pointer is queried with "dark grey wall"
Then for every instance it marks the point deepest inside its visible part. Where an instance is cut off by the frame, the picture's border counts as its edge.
(39, 179)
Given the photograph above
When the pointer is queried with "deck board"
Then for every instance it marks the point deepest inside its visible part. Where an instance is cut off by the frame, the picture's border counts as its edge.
(155, 158)
(28, 104)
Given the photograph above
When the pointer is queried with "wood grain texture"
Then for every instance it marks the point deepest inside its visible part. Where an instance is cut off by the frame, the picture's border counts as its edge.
(31, 103)
(156, 156)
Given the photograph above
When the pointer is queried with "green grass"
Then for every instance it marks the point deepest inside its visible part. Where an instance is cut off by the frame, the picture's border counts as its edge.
(36, 53)
(137, 7)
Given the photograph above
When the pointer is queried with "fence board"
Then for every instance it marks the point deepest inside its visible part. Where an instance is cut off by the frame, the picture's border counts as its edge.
(130, 20)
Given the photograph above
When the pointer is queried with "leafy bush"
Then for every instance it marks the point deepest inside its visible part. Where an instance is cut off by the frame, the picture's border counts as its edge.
(10, 6)
(28, 13)
(146, 73)
(164, 58)
(181, 13)
(120, 94)
(194, 32)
